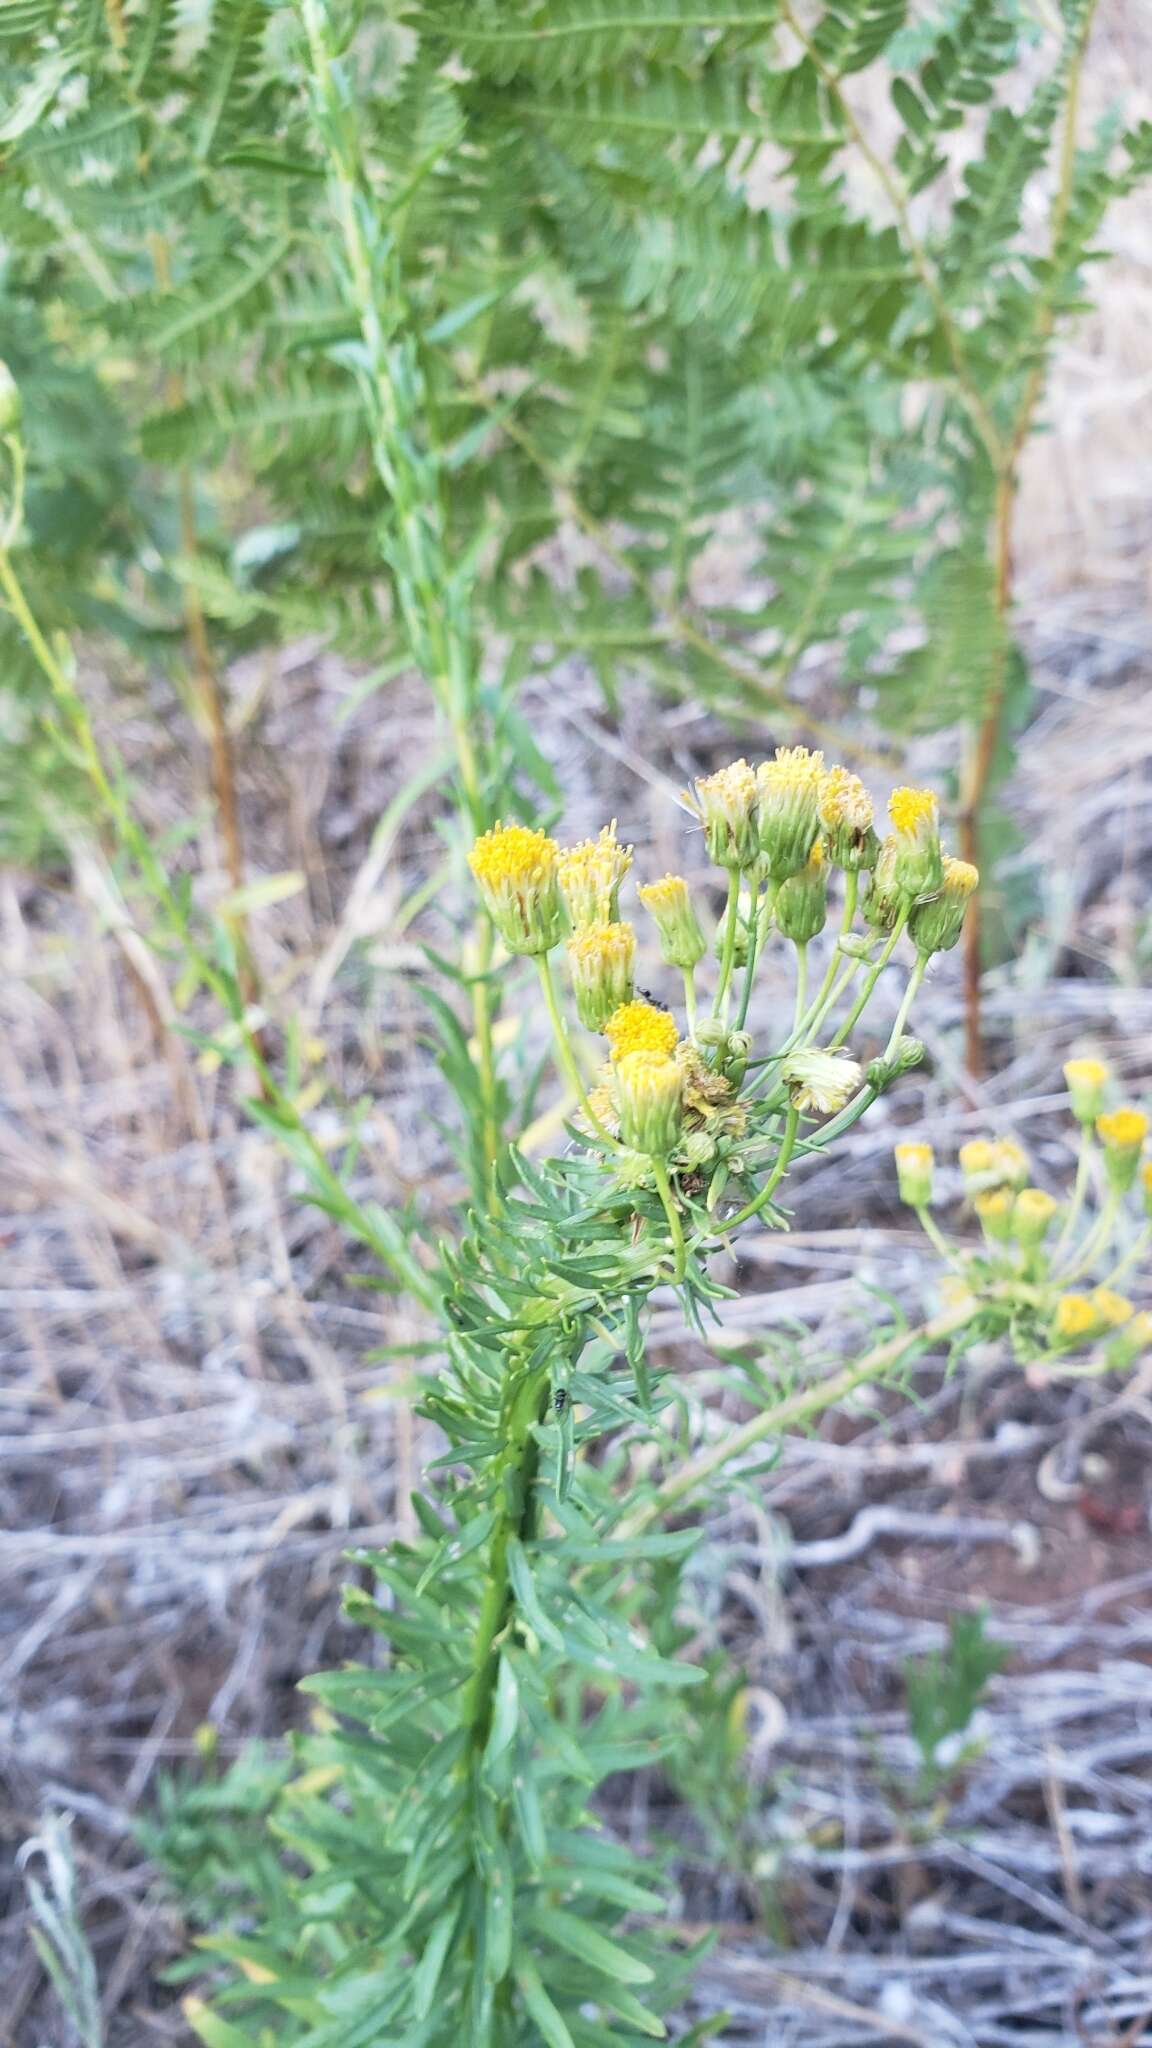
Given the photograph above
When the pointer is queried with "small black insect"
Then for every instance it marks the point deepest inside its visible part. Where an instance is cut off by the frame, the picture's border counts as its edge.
(560, 1400)
(646, 996)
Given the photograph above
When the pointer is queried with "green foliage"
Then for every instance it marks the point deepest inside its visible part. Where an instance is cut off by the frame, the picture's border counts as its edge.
(944, 1691)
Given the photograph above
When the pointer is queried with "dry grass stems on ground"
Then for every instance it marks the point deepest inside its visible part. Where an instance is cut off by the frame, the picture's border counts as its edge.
(190, 1424)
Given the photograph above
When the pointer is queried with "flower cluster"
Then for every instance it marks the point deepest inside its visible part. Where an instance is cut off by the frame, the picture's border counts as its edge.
(1048, 1267)
(699, 1114)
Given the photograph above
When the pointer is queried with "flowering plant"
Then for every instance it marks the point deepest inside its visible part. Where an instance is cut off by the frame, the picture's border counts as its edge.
(457, 1886)
(1048, 1270)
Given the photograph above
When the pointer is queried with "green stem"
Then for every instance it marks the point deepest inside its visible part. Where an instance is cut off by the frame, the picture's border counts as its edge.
(690, 1000)
(1095, 1241)
(935, 1235)
(564, 1052)
(909, 997)
(1079, 1192)
(783, 1157)
(676, 1231)
(728, 948)
(1141, 1243)
(791, 1413)
(515, 1490)
(862, 1000)
(758, 932)
(801, 987)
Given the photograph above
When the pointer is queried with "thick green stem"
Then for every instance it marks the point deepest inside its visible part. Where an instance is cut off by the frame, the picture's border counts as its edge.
(515, 1492)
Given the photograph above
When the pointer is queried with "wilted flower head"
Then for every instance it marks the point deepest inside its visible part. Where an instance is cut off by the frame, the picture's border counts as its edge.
(802, 901)
(641, 1027)
(845, 809)
(682, 943)
(600, 957)
(935, 924)
(1087, 1080)
(789, 791)
(727, 805)
(649, 1098)
(516, 872)
(820, 1082)
(919, 865)
(590, 875)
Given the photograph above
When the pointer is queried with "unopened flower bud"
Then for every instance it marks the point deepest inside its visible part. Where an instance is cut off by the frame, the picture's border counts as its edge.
(918, 868)
(1122, 1133)
(516, 872)
(710, 1033)
(648, 1089)
(854, 946)
(737, 1052)
(845, 807)
(884, 899)
(1087, 1081)
(11, 403)
(727, 805)
(601, 958)
(668, 903)
(697, 1150)
(802, 901)
(1032, 1217)
(789, 793)
(914, 1169)
(935, 925)
(820, 1082)
(880, 1073)
(590, 875)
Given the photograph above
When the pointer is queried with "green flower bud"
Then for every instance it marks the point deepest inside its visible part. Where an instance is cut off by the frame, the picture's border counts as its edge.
(1122, 1133)
(935, 924)
(789, 793)
(802, 901)
(1032, 1217)
(648, 1087)
(1087, 1081)
(884, 899)
(914, 1170)
(601, 959)
(737, 1052)
(682, 943)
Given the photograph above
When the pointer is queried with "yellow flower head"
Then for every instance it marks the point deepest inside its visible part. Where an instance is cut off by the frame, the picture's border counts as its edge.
(726, 802)
(789, 792)
(1112, 1309)
(600, 958)
(844, 801)
(993, 1163)
(1087, 1080)
(1076, 1316)
(994, 1208)
(516, 872)
(641, 1027)
(1123, 1129)
(648, 1087)
(682, 943)
(1122, 1133)
(914, 1169)
(918, 865)
(590, 877)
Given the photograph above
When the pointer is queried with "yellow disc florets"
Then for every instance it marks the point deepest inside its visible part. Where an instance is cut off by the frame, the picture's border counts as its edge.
(1087, 1080)
(914, 1167)
(590, 877)
(911, 810)
(641, 1027)
(726, 802)
(1075, 1316)
(844, 801)
(600, 958)
(516, 871)
(1126, 1129)
(669, 904)
(648, 1087)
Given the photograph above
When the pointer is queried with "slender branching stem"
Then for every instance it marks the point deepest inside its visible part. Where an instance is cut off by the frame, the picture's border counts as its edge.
(728, 942)
(865, 995)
